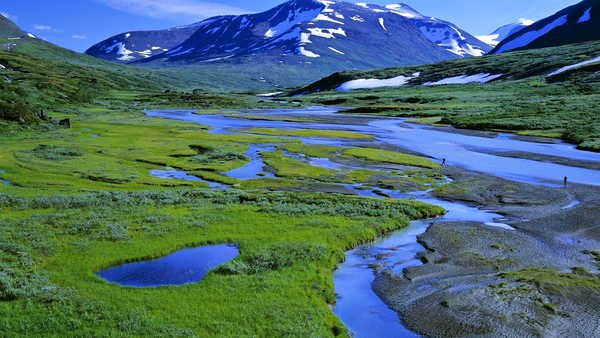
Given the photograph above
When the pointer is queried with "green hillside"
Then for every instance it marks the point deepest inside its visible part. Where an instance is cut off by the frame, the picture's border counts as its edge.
(512, 66)
(523, 100)
(8, 29)
(37, 75)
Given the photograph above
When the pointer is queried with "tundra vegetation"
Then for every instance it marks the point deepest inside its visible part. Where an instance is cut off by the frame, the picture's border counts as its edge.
(81, 199)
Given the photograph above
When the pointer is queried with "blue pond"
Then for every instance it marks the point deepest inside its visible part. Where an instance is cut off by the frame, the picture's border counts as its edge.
(2, 171)
(182, 267)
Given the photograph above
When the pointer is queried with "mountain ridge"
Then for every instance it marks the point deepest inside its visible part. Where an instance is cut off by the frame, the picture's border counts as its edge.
(309, 30)
(505, 31)
(573, 24)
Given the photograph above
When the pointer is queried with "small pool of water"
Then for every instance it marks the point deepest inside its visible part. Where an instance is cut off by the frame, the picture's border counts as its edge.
(254, 169)
(182, 267)
(2, 171)
(182, 175)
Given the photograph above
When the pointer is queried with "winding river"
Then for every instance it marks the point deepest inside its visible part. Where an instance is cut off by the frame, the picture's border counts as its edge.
(357, 305)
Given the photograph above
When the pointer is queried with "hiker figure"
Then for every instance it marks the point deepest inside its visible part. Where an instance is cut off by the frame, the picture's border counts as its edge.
(443, 162)
(566, 179)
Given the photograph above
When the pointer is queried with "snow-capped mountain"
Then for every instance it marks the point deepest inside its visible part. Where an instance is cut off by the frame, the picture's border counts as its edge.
(505, 31)
(317, 31)
(442, 33)
(133, 46)
(578, 23)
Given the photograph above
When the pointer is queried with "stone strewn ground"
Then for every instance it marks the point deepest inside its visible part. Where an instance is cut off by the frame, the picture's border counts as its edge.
(540, 280)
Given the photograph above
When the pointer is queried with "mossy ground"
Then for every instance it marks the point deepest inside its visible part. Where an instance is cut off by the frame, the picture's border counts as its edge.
(340, 134)
(82, 199)
(52, 246)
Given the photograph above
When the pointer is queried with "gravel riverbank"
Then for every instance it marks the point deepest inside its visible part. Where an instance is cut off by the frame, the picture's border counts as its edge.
(481, 280)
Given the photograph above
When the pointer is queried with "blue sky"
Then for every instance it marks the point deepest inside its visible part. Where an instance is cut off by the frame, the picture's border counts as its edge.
(78, 24)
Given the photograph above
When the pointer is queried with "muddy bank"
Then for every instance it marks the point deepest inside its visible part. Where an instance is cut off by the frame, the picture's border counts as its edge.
(389, 147)
(467, 132)
(515, 199)
(538, 280)
(536, 139)
(552, 159)
(318, 187)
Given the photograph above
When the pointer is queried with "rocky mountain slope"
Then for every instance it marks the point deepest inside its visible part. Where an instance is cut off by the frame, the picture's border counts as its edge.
(333, 35)
(133, 46)
(578, 23)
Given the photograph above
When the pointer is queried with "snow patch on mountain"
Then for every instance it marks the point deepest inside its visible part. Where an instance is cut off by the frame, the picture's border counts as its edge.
(293, 19)
(505, 31)
(404, 11)
(529, 37)
(464, 79)
(175, 50)
(125, 54)
(577, 65)
(525, 22)
(327, 33)
(450, 38)
(184, 52)
(218, 59)
(337, 51)
(492, 39)
(307, 53)
(587, 16)
(382, 24)
(322, 17)
(398, 81)
(357, 18)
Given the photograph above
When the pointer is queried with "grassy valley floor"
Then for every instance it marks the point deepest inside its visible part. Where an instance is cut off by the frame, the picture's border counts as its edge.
(76, 201)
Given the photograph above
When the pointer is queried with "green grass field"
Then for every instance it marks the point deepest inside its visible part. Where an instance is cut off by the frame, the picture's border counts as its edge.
(83, 199)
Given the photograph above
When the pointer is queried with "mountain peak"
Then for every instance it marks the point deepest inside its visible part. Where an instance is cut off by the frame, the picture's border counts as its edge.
(309, 29)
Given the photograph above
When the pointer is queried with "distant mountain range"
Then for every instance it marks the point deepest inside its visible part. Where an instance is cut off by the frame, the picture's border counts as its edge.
(578, 23)
(132, 46)
(332, 35)
(505, 31)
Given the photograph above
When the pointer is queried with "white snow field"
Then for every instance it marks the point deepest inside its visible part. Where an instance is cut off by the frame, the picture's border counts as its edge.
(376, 83)
(577, 65)
(464, 79)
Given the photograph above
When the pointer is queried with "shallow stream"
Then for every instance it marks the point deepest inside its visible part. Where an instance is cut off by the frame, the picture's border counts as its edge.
(357, 305)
